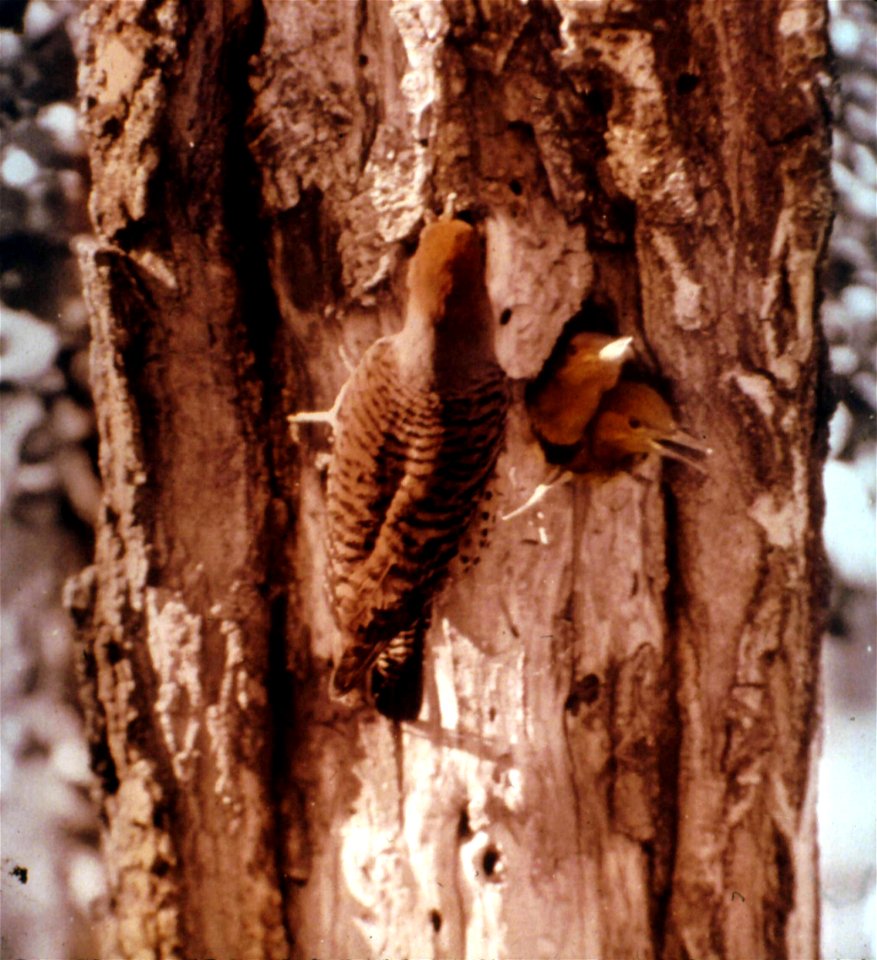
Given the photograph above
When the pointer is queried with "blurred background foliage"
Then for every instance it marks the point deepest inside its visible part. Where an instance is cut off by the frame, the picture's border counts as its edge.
(52, 876)
(847, 809)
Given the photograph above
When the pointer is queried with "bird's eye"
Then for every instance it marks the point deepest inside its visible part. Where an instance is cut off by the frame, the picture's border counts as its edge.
(635, 424)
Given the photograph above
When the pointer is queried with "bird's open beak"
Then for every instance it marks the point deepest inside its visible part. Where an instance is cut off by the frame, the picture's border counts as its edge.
(684, 448)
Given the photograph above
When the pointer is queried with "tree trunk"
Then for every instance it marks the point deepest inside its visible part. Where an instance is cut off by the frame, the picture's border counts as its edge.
(615, 756)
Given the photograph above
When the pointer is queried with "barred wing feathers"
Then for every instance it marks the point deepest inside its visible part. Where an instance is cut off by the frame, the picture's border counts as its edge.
(408, 471)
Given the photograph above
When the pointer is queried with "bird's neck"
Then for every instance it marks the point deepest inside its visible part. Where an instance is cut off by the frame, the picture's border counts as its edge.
(451, 351)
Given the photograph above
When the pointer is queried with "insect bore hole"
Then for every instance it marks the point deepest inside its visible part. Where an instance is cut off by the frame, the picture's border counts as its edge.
(490, 861)
(686, 82)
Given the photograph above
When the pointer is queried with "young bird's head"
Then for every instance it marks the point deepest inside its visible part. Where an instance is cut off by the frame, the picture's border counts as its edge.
(635, 420)
(594, 357)
(563, 400)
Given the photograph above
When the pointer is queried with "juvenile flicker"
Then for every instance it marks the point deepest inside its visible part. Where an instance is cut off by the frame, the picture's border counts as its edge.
(565, 396)
(418, 431)
(633, 421)
(598, 423)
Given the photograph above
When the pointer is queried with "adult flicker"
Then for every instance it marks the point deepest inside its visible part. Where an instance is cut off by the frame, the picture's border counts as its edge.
(418, 429)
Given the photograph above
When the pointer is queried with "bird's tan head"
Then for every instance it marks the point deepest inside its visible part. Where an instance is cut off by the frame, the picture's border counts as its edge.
(634, 420)
(595, 356)
(565, 396)
(449, 262)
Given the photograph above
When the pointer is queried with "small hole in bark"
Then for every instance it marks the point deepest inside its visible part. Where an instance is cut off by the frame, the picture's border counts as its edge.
(435, 918)
(837, 625)
(491, 713)
(686, 82)
(490, 861)
(590, 688)
(598, 102)
(363, 60)
(515, 187)
(464, 830)
(111, 128)
(114, 652)
(586, 691)
(505, 316)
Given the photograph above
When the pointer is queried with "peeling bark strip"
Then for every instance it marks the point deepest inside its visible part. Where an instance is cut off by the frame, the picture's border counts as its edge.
(178, 632)
(615, 755)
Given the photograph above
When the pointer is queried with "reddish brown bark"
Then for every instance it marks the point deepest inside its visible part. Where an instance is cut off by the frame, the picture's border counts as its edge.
(615, 755)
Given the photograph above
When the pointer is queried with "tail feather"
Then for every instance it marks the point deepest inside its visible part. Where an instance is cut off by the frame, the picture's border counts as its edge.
(397, 676)
(391, 673)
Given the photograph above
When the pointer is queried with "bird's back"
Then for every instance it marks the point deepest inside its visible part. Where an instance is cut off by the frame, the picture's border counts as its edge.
(411, 462)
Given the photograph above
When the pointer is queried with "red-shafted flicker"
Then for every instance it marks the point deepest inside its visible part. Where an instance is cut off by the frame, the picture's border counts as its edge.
(418, 429)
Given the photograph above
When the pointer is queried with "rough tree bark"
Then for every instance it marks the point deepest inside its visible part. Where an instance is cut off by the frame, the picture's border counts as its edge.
(615, 757)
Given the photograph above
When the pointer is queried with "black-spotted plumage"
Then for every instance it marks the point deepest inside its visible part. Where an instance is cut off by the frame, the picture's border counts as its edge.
(418, 433)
